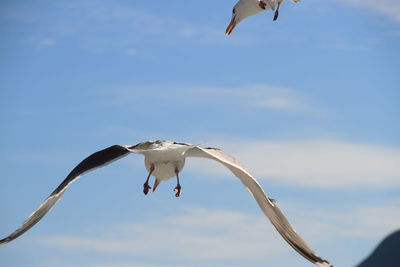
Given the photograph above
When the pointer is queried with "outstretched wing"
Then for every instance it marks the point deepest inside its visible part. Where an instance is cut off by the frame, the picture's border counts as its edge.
(269, 207)
(96, 160)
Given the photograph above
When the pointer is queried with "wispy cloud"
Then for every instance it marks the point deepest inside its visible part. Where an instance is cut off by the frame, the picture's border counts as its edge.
(257, 96)
(391, 8)
(367, 222)
(202, 236)
(111, 27)
(128, 264)
(315, 163)
(360, 46)
(262, 96)
(46, 42)
(130, 52)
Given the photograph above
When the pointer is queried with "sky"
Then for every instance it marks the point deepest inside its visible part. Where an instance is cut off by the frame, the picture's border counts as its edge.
(308, 103)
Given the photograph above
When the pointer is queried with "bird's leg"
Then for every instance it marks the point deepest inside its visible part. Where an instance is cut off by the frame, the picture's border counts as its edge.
(270, 3)
(177, 189)
(277, 11)
(156, 183)
(146, 186)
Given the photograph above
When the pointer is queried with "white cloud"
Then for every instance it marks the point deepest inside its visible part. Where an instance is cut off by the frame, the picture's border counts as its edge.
(262, 96)
(42, 42)
(258, 96)
(188, 32)
(314, 163)
(130, 52)
(106, 27)
(47, 42)
(277, 103)
(202, 236)
(369, 222)
(390, 8)
(128, 264)
(361, 45)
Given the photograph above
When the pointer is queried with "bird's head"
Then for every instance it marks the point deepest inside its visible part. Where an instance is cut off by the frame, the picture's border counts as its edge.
(246, 8)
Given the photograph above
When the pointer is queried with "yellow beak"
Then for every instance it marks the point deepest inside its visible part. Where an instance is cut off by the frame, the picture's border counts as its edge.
(231, 26)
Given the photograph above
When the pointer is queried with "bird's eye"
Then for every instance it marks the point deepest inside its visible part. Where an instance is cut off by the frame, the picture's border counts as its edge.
(234, 11)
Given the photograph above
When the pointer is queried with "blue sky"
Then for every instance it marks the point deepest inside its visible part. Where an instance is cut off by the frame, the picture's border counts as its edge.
(309, 103)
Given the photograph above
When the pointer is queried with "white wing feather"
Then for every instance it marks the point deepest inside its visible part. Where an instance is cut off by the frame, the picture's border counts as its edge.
(94, 161)
(269, 207)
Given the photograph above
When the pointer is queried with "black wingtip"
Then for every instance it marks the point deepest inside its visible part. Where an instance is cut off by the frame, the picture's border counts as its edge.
(215, 148)
(4, 241)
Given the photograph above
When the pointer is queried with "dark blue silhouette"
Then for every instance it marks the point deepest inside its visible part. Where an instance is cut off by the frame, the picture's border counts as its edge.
(387, 254)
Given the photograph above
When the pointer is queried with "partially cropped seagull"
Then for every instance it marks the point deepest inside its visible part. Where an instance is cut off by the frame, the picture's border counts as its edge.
(246, 8)
(164, 160)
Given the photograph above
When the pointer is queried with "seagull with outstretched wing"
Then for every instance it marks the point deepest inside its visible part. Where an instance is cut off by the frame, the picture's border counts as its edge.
(164, 160)
(247, 8)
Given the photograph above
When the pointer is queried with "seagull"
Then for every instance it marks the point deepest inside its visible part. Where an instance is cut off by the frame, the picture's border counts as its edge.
(164, 160)
(246, 8)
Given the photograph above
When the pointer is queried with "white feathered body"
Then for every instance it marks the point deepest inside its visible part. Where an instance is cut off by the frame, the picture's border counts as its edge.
(165, 157)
